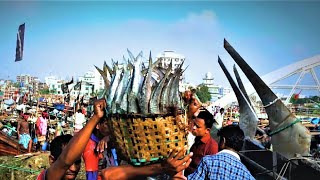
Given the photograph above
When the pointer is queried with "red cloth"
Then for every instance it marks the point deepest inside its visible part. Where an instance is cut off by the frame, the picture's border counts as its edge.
(201, 147)
(42, 175)
(37, 126)
(91, 159)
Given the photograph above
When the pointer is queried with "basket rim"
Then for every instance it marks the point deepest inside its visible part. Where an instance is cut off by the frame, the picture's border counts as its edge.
(132, 115)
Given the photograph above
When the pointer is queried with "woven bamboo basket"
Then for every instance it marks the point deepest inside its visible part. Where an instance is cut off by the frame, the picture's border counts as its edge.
(144, 140)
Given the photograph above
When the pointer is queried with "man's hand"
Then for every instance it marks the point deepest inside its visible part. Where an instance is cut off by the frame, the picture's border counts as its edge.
(174, 164)
(179, 176)
(194, 105)
(102, 145)
(99, 107)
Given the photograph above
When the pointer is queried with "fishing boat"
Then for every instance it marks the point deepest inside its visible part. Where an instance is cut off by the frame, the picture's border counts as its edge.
(10, 146)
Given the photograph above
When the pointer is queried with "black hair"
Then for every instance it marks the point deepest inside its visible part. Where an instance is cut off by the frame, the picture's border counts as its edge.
(56, 146)
(207, 117)
(233, 135)
(221, 109)
(79, 111)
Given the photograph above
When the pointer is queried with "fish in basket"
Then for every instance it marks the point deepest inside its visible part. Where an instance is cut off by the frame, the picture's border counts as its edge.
(145, 109)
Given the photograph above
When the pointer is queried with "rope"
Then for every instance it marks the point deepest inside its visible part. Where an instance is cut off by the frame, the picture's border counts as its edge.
(20, 169)
(274, 101)
(283, 128)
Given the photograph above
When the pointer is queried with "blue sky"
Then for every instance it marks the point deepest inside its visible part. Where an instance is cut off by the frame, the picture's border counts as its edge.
(67, 38)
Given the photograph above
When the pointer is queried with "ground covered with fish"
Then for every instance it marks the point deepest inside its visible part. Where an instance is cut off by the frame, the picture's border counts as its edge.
(27, 167)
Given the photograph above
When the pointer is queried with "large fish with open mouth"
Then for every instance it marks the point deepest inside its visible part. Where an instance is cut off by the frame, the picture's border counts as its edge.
(248, 118)
(289, 136)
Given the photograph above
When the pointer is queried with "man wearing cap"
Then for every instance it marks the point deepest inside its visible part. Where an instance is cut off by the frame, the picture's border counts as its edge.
(204, 144)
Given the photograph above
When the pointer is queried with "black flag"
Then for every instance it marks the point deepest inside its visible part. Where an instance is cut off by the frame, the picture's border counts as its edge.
(20, 42)
(64, 87)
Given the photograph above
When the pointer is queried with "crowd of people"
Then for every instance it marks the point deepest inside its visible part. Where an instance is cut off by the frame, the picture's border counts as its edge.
(213, 147)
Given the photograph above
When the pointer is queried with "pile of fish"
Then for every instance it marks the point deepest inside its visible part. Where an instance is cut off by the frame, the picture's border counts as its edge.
(132, 87)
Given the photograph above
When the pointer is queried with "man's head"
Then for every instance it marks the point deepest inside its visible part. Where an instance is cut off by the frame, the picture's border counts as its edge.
(56, 147)
(221, 110)
(44, 114)
(202, 123)
(231, 137)
(102, 128)
(26, 116)
(79, 111)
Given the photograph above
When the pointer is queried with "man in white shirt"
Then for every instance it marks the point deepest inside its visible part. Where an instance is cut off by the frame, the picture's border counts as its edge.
(218, 124)
(219, 118)
(79, 120)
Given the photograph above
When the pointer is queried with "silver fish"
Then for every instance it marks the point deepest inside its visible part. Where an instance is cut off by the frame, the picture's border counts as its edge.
(165, 100)
(145, 93)
(124, 100)
(108, 71)
(122, 88)
(114, 85)
(131, 55)
(293, 140)
(156, 94)
(135, 86)
(174, 92)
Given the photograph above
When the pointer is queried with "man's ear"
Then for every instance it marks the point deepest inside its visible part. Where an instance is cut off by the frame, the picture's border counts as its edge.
(98, 126)
(208, 130)
(51, 159)
(222, 143)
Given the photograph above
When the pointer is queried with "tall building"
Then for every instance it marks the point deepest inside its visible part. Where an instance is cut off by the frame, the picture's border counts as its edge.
(224, 90)
(94, 78)
(170, 56)
(25, 78)
(213, 89)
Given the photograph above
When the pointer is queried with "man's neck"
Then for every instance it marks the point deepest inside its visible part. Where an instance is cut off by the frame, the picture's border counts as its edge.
(231, 151)
(203, 138)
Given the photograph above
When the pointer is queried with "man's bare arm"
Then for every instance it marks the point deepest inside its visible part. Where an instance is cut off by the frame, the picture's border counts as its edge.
(18, 129)
(75, 147)
(171, 165)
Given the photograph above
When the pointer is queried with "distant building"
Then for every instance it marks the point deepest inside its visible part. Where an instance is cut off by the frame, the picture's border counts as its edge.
(170, 56)
(186, 86)
(94, 78)
(55, 87)
(50, 80)
(82, 89)
(26, 79)
(224, 90)
(213, 89)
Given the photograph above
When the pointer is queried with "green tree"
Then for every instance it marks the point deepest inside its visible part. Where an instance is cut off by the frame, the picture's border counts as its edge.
(16, 84)
(44, 91)
(53, 91)
(203, 93)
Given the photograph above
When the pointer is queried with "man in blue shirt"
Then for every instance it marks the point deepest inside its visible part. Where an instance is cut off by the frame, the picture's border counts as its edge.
(226, 164)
